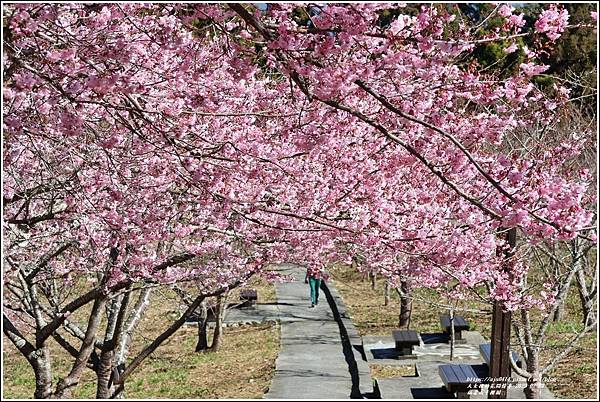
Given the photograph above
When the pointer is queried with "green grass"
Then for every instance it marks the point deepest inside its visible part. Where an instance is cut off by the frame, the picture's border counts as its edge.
(585, 369)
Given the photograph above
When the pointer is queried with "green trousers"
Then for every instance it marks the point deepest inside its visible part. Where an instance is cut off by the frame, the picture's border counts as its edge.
(315, 284)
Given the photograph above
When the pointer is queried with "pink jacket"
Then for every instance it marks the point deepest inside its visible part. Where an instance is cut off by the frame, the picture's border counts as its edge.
(317, 273)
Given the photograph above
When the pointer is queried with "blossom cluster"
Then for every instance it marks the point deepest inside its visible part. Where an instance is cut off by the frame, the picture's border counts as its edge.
(154, 136)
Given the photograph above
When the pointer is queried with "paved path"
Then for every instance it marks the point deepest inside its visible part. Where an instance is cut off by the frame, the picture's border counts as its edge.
(318, 357)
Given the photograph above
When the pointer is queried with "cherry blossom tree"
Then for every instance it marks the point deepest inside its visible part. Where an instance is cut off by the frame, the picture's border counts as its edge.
(154, 144)
(98, 189)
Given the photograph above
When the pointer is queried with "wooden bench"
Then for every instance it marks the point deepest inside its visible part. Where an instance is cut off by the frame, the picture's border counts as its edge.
(460, 324)
(459, 379)
(405, 340)
(248, 297)
(485, 350)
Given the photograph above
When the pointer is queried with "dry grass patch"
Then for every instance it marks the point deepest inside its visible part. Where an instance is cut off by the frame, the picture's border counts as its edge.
(242, 368)
(372, 317)
(381, 371)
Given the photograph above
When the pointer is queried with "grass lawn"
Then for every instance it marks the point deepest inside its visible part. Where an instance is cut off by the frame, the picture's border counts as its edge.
(242, 368)
(574, 377)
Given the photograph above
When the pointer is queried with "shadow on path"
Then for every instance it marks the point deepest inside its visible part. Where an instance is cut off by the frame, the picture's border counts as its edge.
(346, 345)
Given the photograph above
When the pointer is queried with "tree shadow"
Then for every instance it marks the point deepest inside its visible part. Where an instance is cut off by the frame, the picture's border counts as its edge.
(431, 393)
(435, 337)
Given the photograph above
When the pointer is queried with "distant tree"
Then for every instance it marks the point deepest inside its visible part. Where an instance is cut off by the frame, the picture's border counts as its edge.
(574, 57)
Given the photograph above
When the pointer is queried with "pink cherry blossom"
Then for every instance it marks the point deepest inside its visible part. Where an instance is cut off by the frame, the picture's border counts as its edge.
(552, 21)
(255, 145)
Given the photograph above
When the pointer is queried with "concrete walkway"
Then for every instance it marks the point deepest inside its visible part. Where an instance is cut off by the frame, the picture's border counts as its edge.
(320, 355)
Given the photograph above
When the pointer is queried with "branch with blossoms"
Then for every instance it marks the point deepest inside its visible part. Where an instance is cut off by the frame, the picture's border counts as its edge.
(270, 36)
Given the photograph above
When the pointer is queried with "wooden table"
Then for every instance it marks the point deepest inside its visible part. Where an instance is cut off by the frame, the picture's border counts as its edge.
(248, 297)
(405, 340)
(460, 324)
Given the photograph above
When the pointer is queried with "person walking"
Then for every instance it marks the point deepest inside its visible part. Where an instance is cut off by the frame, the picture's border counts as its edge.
(314, 276)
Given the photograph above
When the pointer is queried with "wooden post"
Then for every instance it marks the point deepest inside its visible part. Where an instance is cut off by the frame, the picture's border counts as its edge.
(500, 357)
(452, 332)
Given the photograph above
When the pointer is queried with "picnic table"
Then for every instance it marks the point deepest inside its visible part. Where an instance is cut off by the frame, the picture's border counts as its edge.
(459, 379)
(460, 324)
(248, 297)
(405, 340)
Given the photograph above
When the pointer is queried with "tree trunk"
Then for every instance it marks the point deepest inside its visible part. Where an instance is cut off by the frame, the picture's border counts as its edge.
(202, 344)
(148, 350)
(220, 312)
(120, 349)
(589, 314)
(43, 373)
(107, 365)
(132, 322)
(587, 302)
(105, 368)
(559, 313)
(373, 276)
(354, 265)
(534, 383)
(38, 358)
(106, 375)
(386, 293)
(405, 306)
(65, 386)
